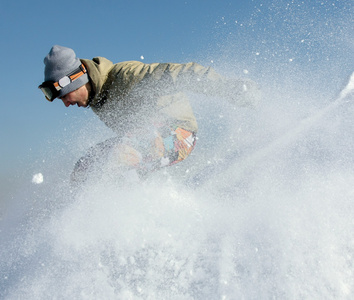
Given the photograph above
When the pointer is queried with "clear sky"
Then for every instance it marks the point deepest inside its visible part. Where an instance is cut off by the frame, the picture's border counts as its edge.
(310, 34)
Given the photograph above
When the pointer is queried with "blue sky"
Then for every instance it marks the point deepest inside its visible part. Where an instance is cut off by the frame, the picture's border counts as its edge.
(315, 35)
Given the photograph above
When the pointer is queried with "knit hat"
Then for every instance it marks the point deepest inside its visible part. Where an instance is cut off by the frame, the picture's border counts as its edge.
(62, 61)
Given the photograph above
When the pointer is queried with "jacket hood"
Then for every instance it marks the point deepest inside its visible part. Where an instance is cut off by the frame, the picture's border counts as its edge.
(98, 71)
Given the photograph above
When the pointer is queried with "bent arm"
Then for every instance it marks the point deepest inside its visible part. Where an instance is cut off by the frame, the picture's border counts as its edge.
(172, 77)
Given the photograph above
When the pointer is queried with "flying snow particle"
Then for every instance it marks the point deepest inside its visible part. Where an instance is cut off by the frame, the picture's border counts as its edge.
(142, 57)
(245, 72)
(37, 178)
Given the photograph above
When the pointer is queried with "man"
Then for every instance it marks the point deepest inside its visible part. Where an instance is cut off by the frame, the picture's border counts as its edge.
(145, 104)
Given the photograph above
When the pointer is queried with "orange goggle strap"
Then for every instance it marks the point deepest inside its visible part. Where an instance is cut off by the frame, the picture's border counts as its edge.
(72, 77)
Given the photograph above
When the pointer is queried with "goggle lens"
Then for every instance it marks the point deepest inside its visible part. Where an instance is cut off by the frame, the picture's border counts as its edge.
(49, 90)
(47, 93)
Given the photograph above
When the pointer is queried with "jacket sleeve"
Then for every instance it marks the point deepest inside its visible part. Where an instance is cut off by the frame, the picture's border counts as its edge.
(199, 79)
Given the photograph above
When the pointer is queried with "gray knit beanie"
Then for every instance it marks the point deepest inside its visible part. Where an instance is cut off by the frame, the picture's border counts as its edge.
(61, 61)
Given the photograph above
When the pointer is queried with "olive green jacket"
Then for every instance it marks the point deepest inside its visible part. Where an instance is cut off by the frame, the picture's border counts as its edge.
(129, 92)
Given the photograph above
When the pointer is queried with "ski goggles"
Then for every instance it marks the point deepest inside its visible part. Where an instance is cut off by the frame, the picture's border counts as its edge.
(51, 89)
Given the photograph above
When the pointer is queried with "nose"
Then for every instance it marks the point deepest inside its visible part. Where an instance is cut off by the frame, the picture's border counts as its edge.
(66, 102)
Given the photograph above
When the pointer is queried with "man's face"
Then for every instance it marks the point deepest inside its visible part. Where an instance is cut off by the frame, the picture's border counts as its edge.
(79, 97)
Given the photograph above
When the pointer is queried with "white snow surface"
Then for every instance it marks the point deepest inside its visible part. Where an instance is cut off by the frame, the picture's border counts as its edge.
(272, 221)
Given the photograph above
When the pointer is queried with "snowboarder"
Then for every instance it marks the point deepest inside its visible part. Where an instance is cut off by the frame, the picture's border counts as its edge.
(144, 104)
